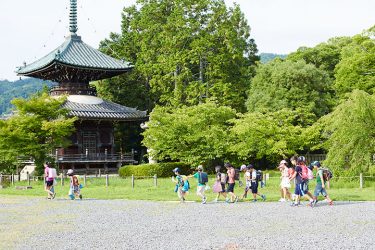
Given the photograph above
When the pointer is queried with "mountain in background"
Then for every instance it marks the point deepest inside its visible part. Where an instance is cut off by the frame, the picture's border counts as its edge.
(266, 57)
(21, 88)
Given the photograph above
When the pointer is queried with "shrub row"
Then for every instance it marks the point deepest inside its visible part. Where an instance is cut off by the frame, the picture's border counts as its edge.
(160, 169)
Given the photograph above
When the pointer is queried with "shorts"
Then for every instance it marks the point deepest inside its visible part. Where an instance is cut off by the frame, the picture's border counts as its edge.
(301, 189)
(49, 183)
(320, 190)
(254, 187)
(230, 188)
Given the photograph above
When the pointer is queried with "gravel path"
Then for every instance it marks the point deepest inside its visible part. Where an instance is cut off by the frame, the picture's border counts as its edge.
(120, 224)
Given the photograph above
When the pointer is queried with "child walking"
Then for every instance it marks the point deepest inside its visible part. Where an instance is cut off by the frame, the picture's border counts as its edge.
(75, 188)
(285, 182)
(182, 184)
(254, 183)
(202, 179)
(321, 183)
(221, 180)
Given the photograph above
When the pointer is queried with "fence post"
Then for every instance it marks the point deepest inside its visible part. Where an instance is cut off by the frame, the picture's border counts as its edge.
(62, 179)
(12, 179)
(132, 181)
(360, 180)
(1, 179)
(84, 179)
(100, 173)
(28, 178)
(155, 180)
(264, 179)
(106, 180)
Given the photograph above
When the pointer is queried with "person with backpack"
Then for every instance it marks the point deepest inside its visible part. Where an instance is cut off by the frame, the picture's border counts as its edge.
(231, 172)
(75, 187)
(322, 181)
(221, 180)
(247, 176)
(301, 175)
(285, 182)
(182, 184)
(49, 178)
(202, 179)
(255, 178)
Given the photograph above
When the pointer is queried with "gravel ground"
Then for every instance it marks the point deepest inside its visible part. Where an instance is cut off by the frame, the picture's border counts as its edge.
(33, 223)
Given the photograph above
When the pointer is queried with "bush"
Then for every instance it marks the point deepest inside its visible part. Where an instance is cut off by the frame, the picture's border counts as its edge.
(160, 169)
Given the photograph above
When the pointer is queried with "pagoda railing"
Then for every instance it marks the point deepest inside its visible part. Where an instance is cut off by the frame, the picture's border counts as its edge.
(56, 91)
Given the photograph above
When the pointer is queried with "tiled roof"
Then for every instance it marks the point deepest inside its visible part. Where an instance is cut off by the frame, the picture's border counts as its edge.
(74, 52)
(105, 110)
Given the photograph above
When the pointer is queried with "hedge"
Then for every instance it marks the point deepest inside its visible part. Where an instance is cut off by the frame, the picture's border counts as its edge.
(160, 169)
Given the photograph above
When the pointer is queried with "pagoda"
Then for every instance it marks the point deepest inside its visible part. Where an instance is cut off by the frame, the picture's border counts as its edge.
(73, 65)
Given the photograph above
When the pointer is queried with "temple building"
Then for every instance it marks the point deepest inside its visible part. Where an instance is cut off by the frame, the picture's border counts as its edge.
(73, 65)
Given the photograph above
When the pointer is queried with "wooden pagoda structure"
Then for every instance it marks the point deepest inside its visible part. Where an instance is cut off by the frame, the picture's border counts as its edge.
(73, 65)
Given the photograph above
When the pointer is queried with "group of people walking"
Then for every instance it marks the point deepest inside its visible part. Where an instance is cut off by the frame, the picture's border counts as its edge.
(298, 173)
(50, 183)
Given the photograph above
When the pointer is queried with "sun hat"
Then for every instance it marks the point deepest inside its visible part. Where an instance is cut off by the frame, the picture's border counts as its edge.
(243, 167)
(70, 171)
(200, 167)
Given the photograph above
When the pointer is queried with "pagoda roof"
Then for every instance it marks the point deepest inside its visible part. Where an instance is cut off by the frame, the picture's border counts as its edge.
(78, 58)
(94, 108)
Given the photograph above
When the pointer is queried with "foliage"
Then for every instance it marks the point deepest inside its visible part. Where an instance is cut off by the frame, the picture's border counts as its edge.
(195, 135)
(293, 85)
(185, 52)
(356, 70)
(38, 126)
(18, 89)
(324, 56)
(272, 135)
(160, 169)
(350, 130)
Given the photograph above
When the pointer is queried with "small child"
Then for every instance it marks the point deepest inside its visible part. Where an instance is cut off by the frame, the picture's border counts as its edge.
(247, 176)
(202, 180)
(182, 184)
(75, 187)
(254, 183)
(221, 179)
(321, 183)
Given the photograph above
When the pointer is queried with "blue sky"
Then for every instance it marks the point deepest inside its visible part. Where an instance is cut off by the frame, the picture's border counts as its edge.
(30, 29)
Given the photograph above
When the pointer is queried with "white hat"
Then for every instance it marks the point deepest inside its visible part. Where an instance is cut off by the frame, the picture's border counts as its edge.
(70, 171)
(243, 167)
(200, 167)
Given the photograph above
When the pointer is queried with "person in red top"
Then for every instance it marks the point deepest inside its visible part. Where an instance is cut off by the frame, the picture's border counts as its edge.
(48, 180)
(231, 183)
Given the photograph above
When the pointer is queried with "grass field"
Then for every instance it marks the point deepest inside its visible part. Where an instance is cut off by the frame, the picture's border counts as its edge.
(341, 189)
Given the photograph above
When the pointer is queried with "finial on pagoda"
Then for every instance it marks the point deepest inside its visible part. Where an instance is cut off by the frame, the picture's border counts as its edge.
(73, 17)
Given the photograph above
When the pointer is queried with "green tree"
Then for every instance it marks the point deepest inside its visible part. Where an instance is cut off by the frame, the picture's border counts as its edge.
(272, 135)
(197, 134)
(324, 56)
(350, 133)
(38, 126)
(185, 52)
(293, 85)
(356, 70)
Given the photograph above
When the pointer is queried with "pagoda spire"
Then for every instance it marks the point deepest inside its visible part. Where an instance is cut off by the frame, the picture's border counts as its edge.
(73, 17)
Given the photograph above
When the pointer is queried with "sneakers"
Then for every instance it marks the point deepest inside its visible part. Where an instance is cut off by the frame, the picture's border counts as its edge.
(293, 204)
(330, 203)
(255, 200)
(53, 196)
(263, 197)
(236, 199)
(282, 200)
(80, 196)
(216, 200)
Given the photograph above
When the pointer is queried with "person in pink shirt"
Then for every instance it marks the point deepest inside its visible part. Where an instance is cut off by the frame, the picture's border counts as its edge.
(231, 182)
(48, 180)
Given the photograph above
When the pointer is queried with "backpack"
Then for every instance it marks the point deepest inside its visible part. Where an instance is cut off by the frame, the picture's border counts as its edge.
(237, 174)
(223, 178)
(291, 171)
(259, 176)
(184, 184)
(304, 173)
(310, 174)
(52, 173)
(327, 174)
(203, 178)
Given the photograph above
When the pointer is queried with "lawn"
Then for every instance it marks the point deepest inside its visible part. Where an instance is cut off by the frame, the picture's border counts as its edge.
(144, 189)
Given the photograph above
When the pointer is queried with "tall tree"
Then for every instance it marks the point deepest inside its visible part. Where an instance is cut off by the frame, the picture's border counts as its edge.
(356, 69)
(350, 134)
(293, 85)
(38, 126)
(186, 51)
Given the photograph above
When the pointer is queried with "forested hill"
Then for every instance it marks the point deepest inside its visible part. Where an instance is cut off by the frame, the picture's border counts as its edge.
(266, 57)
(21, 88)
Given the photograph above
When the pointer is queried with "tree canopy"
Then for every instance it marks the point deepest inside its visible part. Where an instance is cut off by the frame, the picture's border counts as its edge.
(185, 52)
(38, 126)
